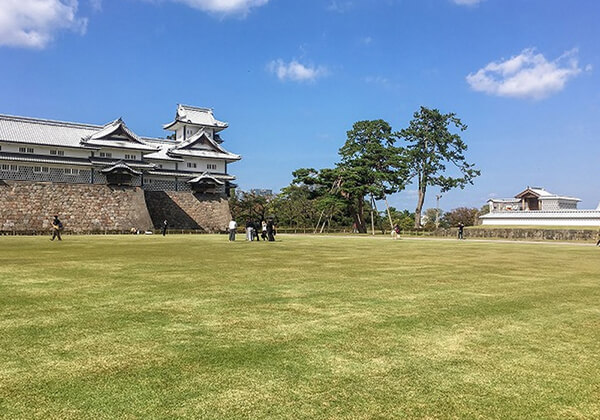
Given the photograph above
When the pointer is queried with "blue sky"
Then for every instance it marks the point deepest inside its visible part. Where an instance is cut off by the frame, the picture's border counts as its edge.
(291, 77)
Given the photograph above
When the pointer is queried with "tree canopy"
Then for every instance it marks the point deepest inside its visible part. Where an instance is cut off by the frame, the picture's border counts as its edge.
(430, 148)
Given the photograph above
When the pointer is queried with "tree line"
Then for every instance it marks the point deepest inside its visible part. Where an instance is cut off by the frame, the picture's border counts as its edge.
(374, 162)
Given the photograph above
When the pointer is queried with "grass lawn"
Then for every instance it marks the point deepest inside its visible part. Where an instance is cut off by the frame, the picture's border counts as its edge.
(305, 328)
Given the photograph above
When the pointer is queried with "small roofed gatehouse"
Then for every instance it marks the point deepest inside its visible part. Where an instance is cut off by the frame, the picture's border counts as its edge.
(537, 206)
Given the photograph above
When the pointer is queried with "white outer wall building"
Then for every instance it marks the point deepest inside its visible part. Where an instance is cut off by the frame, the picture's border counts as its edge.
(537, 207)
(543, 218)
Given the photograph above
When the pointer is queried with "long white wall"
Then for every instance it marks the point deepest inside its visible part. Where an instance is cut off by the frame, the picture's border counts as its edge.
(543, 218)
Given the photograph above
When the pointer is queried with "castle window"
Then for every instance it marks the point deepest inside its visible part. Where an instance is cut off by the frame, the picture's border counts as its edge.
(129, 157)
(106, 154)
(22, 150)
(41, 169)
(57, 152)
(192, 165)
(70, 171)
(29, 150)
(212, 166)
(53, 152)
(9, 168)
(61, 153)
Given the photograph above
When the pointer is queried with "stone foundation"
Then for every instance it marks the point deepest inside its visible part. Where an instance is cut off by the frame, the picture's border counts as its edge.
(186, 210)
(29, 207)
(588, 235)
(82, 208)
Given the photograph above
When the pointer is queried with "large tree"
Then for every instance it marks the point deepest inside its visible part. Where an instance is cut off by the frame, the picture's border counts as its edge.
(371, 166)
(430, 148)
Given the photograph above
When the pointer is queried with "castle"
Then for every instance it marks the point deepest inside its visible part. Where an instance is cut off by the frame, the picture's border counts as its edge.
(183, 178)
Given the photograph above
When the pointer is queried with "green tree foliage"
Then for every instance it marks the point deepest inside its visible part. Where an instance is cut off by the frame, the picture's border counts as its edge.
(430, 148)
(430, 218)
(246, 206)
(370, 166)
(404, 219)
(466, 216)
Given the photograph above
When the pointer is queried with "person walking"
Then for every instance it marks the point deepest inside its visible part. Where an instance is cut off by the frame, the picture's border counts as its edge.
(56, 228)
(263, 233)
(598, 238)
(461, 230)
(165, 224)
(232, 230)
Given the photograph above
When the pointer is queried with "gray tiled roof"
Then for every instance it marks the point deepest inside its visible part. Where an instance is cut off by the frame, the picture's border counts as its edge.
(205, 177)
(205, 154)
(44, 132)
(121, 166)
(196, 116)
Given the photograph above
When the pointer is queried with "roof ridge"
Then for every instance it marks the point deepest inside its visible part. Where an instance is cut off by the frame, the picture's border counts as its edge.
(49, 121)
(199, 108)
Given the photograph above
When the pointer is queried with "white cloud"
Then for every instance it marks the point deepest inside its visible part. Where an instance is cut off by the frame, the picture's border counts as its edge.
(527, 75)
(226, 7)
(33, 23)
(96, 5)
(295, 71)
(467, 2)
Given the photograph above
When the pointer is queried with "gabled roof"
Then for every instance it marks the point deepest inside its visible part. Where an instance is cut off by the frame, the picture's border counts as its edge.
(196, 116)
(204, 178)
(120, 166)
(542, 194)
(163, 154)
(117, 134)
(186, 148)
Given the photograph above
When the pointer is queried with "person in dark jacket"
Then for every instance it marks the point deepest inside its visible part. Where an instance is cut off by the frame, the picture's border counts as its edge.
(56, 228)
(165, 224)
(271, 231)
(461, 231)
(255, 227)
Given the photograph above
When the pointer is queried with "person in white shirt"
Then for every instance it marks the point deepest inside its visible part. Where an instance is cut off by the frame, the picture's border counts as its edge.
(232, 229)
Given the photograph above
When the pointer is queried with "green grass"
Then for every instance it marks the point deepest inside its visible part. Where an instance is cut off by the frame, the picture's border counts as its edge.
(305, 328)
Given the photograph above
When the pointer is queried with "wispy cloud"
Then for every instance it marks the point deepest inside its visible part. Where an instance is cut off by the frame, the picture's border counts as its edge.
(340, 6)
(96, 5)
(224, 7)
(467, 2)
(382, 82)
(34, 23)
(527, 75)
(296, 71)
(367, 40)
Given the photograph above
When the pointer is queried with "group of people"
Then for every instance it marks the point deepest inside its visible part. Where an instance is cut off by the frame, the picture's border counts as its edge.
(265, 227)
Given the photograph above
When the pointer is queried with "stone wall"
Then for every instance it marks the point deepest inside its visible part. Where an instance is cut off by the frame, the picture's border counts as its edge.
(524, 234)
(186, 210)
(29, 207)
